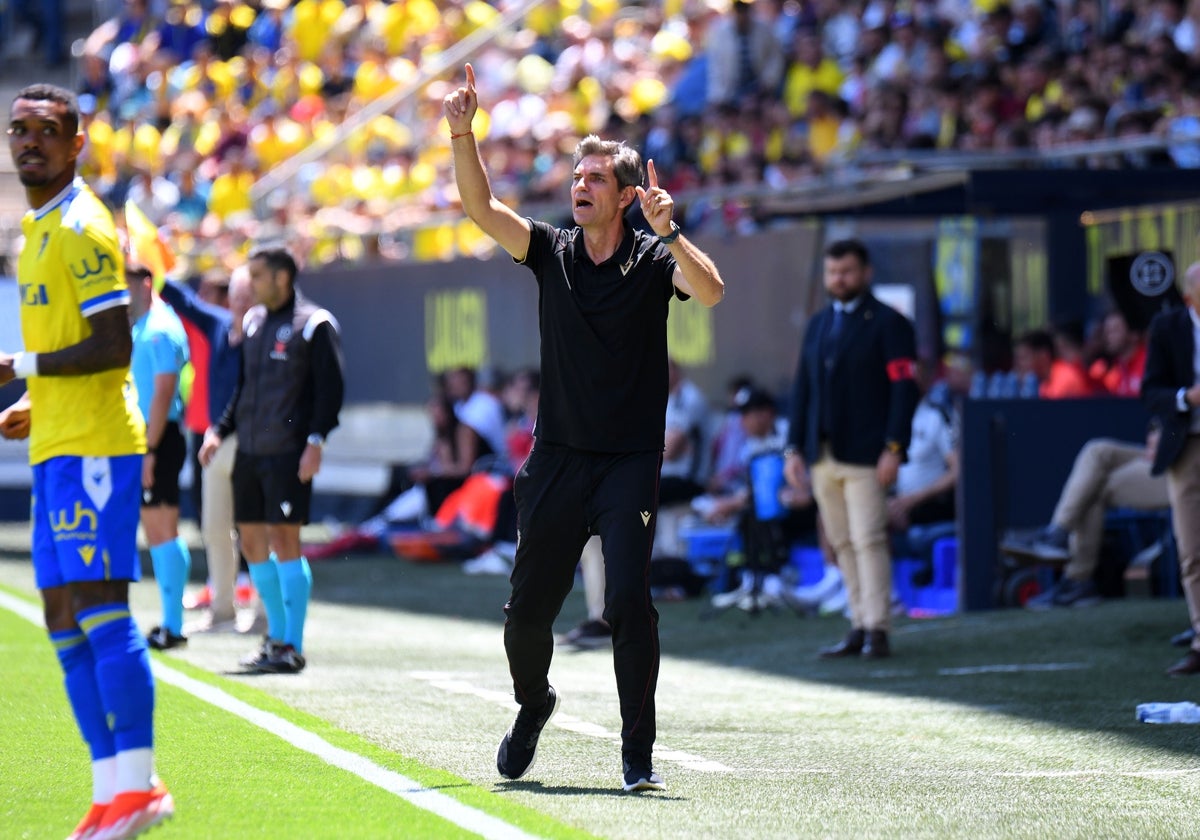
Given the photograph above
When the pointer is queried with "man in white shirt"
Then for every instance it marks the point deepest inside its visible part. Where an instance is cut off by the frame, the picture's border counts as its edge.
(686, 441)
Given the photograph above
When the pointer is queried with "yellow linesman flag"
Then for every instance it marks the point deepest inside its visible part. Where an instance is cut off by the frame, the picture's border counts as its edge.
(146, 246)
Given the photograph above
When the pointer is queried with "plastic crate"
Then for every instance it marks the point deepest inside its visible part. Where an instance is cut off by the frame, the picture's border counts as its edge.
(809, 563)
(707, 547)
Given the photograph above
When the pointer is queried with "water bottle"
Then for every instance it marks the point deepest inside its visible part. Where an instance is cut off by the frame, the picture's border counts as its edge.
(1029, 386)
(979, 382)
(1168, 713)
(1011, 385)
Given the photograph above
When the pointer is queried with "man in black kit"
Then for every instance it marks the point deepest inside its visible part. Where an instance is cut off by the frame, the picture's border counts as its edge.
(604, 290)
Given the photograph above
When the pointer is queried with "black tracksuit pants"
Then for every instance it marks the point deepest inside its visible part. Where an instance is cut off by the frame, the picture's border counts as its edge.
(563, 496)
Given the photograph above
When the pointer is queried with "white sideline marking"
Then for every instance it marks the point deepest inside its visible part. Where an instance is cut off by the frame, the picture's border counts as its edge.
(1136, 774)
(446, 807)
(454, 685)
(1012, 669)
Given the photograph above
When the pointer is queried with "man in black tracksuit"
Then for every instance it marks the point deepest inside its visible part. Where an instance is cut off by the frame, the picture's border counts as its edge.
(287, 400)
(604, 290)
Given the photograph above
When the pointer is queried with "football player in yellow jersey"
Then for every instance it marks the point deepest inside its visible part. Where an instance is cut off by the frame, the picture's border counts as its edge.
(86, 443)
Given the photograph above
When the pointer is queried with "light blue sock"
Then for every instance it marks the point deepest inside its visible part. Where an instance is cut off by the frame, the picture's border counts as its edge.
(79, 678)
(123, 676)
(265, 577)
(295, 578)
(172, 562)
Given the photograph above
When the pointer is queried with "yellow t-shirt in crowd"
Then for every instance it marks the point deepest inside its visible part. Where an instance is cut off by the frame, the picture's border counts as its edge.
(70, 269)
(230, 193)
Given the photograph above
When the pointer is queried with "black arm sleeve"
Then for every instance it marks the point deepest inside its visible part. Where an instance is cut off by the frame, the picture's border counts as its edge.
(227, 425)
(328, 381)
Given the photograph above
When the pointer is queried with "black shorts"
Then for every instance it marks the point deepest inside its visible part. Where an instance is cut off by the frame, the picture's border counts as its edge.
(267, 488)
(168, 461)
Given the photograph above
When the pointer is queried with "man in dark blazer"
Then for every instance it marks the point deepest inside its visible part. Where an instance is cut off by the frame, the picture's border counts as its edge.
(851, 419)
(1171, 393)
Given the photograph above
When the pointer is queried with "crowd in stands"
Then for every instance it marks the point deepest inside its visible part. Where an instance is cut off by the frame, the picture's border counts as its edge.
(190, 102)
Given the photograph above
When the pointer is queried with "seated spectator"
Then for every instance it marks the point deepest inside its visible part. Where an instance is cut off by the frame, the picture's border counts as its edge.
(457, 447)
(768, 526)
(1106, 474)
(520, 398)
(745, 58)
(921, 507)
(132, 25)
(925, 485)
(728, 439)
(686, 437)
(153, 194)
(464, 526)
(1118, 370)
(473, 406)
(926, 482)
(1037, 352)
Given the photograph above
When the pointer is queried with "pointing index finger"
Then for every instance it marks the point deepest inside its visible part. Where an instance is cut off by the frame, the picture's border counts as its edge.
(470, 78)
(651, 175)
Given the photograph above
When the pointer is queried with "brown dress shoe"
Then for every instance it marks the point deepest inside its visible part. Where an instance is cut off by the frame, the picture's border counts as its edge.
(876, 645)
(1190, 664)
(852, 645)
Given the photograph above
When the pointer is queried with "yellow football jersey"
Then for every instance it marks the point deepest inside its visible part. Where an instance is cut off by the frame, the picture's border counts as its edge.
(70, 268)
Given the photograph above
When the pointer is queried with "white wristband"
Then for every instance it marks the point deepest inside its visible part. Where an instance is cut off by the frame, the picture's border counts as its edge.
(25, 365)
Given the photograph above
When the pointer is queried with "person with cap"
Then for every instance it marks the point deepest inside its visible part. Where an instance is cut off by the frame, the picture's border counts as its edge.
(769, 515)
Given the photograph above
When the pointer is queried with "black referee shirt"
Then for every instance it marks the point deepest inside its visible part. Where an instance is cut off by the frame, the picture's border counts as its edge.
(604, 340)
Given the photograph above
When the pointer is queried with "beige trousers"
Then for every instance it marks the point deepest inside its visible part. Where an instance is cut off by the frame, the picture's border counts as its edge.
(1106, 474)
(591, 563)
(1183, 484)
(854, 513)
(217, 528)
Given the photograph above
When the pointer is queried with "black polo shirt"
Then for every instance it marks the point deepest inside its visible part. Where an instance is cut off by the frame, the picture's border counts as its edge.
(604, 340)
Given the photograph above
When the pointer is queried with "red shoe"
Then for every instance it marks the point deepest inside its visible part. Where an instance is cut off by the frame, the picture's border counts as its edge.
(243, 595)
(134, 811)
(202, 600)
(90, 822)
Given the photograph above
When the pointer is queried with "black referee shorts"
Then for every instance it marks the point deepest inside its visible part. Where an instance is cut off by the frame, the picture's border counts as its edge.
(268, 489)
(168, 462)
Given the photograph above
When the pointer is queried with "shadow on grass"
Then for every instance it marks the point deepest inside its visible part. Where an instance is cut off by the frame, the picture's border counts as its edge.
(1084, 668)
(576, 790)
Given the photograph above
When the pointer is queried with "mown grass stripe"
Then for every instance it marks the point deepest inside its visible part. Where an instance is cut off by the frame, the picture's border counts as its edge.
(437, 803)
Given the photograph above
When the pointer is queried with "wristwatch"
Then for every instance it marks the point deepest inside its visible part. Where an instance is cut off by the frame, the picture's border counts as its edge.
(315, 440)
(672, 236)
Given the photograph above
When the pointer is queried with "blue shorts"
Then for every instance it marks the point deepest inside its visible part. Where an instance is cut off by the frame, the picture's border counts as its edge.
(85, 519)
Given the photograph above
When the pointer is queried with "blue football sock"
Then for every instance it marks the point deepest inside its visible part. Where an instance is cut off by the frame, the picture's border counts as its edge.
(79, 678)
(295, 579)
(172, 563)
(265, 577)
(122, 674)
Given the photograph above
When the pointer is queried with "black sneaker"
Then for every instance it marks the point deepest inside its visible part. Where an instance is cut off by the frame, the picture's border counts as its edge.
(256, 659)
(637, 774)
(283, 660)
(589, 634)
(518, 747)
(1066, 593)
(160, 638)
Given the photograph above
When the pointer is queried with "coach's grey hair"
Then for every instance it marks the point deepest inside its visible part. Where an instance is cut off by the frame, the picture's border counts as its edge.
(627, 163)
